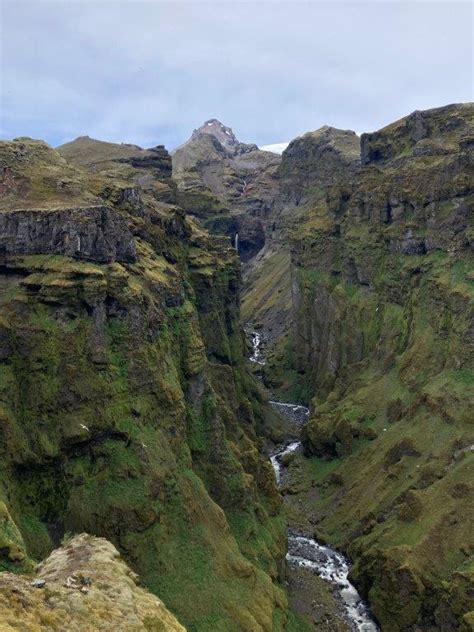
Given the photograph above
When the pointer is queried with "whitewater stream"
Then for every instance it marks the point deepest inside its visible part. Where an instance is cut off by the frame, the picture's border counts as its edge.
(303, 551)
(257, 348)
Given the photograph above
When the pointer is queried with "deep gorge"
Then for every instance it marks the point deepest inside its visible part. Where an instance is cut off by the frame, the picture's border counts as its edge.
(129, 409)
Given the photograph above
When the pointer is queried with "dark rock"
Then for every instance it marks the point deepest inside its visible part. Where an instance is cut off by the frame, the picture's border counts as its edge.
(313, 162)
(95, 233)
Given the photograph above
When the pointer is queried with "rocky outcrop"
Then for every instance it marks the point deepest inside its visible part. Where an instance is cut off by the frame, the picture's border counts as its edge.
(84, 585)
(124, 166)
(224, 136)
(436, 132)
(314, 162)
(382, 299)
(96, 233)
(95, 154)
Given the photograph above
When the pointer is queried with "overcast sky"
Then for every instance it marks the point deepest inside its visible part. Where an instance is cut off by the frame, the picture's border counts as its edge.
(149, 72)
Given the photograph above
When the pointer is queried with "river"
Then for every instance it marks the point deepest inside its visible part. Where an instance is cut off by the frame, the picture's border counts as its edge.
(304, 551)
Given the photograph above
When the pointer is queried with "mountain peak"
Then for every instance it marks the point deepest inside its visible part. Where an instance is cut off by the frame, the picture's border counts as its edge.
(224, 134)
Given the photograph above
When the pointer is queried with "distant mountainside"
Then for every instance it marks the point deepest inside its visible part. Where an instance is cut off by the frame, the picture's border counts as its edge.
(231, 186)
(150, 169)
(224, 136)
(92, 153)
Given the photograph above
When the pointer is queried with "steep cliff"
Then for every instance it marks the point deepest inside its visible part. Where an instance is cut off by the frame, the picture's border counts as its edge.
(311, 166)
(382, 288)
(229, 185)
(126, 410)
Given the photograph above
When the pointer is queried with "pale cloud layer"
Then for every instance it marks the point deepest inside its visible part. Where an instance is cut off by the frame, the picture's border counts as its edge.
(149, 72)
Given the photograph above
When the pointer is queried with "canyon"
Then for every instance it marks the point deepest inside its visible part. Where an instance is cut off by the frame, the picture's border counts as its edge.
(236, 388)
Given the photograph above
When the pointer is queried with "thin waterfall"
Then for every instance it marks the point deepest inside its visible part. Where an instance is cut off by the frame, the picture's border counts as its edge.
(236, 241)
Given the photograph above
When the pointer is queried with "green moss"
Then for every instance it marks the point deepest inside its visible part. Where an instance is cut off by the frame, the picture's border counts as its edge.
(464, 376)
(296, 623)
(13, 555)
(108, 441)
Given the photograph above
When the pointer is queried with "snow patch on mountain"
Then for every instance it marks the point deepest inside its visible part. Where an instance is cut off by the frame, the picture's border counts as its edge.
(276, 148)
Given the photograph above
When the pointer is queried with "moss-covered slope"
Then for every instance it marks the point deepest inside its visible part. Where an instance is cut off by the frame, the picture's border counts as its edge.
(125, 407)
(312, 165)
(383, 293)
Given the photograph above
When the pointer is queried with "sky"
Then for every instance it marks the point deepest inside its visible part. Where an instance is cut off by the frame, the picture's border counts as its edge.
(149, 72)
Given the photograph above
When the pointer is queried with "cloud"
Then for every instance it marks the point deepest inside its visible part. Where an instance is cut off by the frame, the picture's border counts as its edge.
(148, 72)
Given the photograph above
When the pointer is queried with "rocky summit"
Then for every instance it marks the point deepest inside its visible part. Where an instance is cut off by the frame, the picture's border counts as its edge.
(236, 388)
(231, 186)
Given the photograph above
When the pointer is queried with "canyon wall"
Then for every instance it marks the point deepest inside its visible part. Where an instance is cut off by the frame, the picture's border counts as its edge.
(126, 409)
(382, 287)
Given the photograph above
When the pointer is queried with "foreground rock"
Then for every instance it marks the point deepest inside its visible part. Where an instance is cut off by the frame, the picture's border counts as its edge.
(84, 585)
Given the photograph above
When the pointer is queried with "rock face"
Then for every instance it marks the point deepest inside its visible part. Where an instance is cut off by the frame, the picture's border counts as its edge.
(97, 233)
(315, 161)
(84, 585)
(382, 292)
(126, 409)
(229, 185)
(312, 167)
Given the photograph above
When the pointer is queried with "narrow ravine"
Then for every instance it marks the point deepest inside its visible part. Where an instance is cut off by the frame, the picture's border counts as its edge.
(303, 551)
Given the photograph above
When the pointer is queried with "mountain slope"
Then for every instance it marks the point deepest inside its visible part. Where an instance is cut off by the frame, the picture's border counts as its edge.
(126, 409)
(229, 185)
(382, 310)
